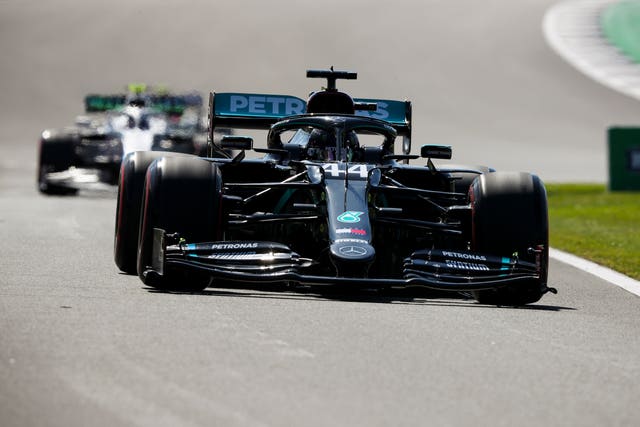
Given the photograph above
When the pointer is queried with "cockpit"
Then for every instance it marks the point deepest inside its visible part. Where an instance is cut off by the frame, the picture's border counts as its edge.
(333, 138)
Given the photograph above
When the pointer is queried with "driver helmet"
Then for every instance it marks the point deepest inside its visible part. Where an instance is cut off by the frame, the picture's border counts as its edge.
(321, 145)
(137, 101)
(352, 141)
(352, 146)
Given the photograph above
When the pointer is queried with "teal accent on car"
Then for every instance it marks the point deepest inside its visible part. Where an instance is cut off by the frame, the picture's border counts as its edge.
(229, 104)
(394, 112)
(257, 105)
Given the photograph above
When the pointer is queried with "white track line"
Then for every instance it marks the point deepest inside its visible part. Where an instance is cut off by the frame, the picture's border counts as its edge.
(604, 273)
(572, 29)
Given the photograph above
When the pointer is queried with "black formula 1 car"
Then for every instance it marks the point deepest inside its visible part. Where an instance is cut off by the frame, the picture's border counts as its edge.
(88, 154)
(330, 202)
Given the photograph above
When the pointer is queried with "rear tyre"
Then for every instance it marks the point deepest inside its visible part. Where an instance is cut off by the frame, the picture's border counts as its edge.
(182, 194)
(510, 217)
(130, 188)
(56, 155)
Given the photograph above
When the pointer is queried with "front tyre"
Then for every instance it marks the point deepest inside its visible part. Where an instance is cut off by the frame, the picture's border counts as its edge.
(181, 194)
(130, 189)
(510, 217)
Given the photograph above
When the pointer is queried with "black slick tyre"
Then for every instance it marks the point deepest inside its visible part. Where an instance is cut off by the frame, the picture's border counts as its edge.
(56, 155)
(510, 217)
(465, 179)
(130, 189)
(181, 195)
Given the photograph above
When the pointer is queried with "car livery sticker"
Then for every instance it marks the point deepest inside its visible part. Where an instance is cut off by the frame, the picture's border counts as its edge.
(358, 231)
(465, 256)
(279, 106)
(257, 105)
(350, 217)
(335, 170)
(351, 241)
(353, 251)
(462, 265)
(240, 245)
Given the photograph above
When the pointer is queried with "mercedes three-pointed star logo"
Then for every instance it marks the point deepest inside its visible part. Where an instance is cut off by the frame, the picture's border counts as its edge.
(352, 251)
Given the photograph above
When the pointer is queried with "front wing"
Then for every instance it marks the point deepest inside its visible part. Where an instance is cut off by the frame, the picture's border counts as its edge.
(82, 178)
(270, 262)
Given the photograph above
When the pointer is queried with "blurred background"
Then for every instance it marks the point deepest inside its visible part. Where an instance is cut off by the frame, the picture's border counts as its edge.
(480, 74)
(81, 344)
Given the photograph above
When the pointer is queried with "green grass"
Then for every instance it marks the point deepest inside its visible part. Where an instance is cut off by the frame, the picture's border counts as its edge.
(619, 23)
(593, 223)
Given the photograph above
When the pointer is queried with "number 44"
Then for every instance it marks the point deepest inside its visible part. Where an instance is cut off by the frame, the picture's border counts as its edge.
(335, 169)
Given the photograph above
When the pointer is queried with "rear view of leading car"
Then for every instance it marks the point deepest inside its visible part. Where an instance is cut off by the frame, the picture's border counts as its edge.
(88, 154)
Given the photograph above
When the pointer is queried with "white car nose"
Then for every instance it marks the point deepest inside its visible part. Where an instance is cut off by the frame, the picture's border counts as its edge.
(136, 140)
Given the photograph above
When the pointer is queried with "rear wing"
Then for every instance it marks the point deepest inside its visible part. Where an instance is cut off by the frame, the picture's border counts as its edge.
(396, 113)
(167, 103)
(260, 111)
(176, 104)
(98, 103)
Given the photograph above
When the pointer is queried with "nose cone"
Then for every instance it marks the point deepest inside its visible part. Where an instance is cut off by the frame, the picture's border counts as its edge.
(352, 258)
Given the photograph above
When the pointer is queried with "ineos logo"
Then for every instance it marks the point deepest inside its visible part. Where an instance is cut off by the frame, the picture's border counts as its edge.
(352, 251)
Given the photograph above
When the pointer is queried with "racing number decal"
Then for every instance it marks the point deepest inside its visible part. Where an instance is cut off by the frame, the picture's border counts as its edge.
(334, 170)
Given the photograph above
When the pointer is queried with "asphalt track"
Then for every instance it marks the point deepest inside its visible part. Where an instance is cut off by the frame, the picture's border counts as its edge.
(81, 344)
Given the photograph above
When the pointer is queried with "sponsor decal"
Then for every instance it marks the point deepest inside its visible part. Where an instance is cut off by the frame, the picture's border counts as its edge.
(459, 255)
(226, 246)
(235, 256)
(284, 105)
(351, 241)
(266, 105)
(352, 251)
(461, 265)
(358, 231)
(350, 217)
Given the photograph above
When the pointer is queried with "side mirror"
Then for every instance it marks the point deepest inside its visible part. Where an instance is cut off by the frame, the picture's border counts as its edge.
(435, 151)
(315, 174)
(375, 177)
(406, 144)
(233, 142)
